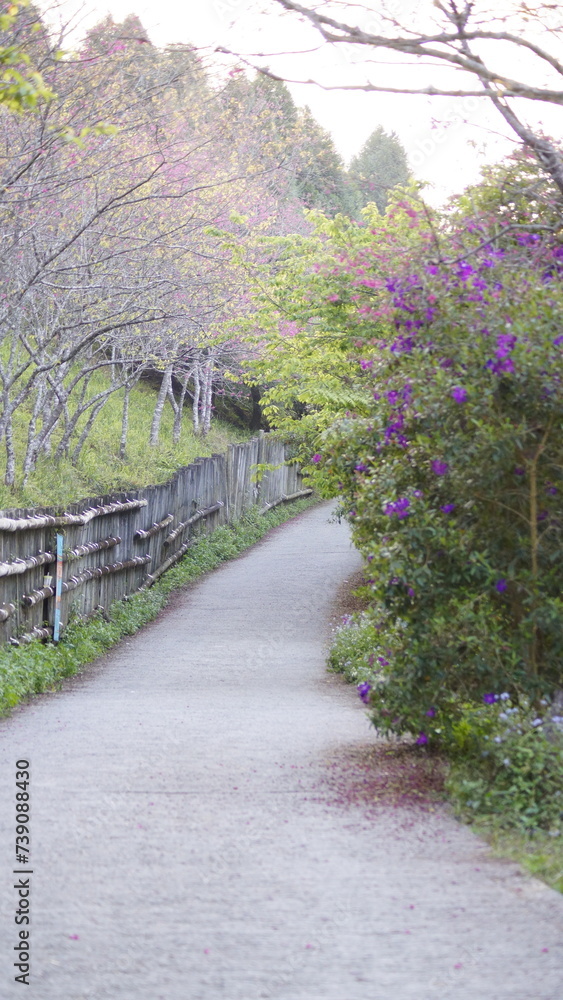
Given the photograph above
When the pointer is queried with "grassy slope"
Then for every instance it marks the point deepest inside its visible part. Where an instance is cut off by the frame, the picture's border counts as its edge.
(99, 469)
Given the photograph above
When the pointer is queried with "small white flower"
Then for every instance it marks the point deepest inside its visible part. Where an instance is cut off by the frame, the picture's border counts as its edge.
(504, 696)
(536, 722)
(498, 739)
(503, 716)
(506, 761)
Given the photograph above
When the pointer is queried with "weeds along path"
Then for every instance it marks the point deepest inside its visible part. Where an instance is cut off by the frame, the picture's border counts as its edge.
(206, 825)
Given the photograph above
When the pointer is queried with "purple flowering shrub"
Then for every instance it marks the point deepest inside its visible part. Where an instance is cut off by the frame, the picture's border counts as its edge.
(460, 511)
(429, 375)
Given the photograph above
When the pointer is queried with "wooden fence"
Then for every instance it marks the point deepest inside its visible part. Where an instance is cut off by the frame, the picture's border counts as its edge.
(101, 550)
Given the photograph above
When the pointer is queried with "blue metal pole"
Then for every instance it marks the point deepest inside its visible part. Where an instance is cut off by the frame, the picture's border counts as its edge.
(58, 588)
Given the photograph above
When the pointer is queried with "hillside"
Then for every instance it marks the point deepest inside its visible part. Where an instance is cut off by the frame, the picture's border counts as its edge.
(99, 469)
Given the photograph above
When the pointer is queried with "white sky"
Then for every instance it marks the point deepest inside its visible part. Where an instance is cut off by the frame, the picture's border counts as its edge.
(448, 156)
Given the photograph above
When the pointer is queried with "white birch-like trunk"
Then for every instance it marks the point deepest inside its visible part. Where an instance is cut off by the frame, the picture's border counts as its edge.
(124, 424)
(180, 411)
(159, 407)
(207, 398)
(197, 394)
(34, 439)
(10, 474)
(47, 438)
(87, 428)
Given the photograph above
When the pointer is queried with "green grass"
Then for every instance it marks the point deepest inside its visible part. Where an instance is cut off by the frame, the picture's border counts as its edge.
(99, 469)
(37, 667)
(541, 854)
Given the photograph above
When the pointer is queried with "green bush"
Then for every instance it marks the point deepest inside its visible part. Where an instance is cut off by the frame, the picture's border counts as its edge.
(507, 762)
(506, 753)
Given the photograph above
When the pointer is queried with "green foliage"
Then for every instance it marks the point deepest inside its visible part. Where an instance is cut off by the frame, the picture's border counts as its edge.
(508, 762)
(355, 648)
(37, 667)
(506, 755)
(321, 180)
(380, 166)
(21, 86)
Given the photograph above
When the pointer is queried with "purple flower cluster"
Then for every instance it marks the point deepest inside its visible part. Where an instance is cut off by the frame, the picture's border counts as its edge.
(506, 343)
(439, 468)
(363, 692)
(459, 394)
(399, 507)
(394, 430)
(527, 239)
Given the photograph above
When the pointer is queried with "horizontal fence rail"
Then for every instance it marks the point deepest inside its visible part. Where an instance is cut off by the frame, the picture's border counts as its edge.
(104, 549)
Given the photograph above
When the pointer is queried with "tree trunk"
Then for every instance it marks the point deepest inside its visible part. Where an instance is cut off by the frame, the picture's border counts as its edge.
(10, 474)
(159, 408)
(46, 439)
(207, 398)
(256, 416)
(197, 394)
(87, 428)
(34, 440)
(124, 424)
(178, 415)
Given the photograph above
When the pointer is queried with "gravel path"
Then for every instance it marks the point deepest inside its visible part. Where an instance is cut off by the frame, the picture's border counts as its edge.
(203, 826)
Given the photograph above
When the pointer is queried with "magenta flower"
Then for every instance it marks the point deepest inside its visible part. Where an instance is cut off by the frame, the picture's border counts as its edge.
(422, 739)
(447, 508)
(490, 698)
(439, 468)
(317, 458)
(431, 713)
(501, 585)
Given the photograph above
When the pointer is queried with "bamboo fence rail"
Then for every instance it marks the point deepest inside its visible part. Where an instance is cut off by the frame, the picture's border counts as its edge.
(146, 530)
